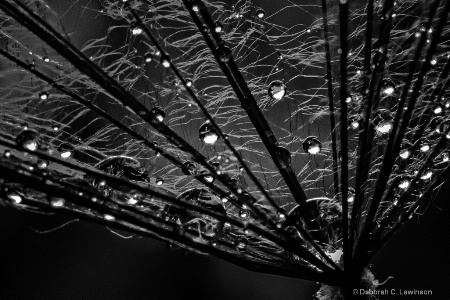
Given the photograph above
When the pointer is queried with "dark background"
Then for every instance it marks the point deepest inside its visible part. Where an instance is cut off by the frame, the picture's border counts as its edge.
(87, 261)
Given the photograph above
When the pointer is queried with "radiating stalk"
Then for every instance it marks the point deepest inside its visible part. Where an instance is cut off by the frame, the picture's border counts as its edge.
(360, 179)
(330, 98)
(343, 24)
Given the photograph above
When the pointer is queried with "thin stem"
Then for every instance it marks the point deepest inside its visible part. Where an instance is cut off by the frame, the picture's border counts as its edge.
(361, 176)
(343, 16)
(330, 98)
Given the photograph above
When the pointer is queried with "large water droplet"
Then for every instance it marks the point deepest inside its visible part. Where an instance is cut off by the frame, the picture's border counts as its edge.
(312, 145)
(276, 90)
(28, 139)
(208, 134)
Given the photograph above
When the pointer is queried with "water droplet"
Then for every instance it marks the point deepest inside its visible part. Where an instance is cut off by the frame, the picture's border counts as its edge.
(136, 30)
(66, 150)
(224, 54)
(7, 154)
(28, 139)
(276, 90)
(218, 27)
(57, 202)
(384, 127)
(159, 113)
(43, 96)
(42, 164)
(14, 197)
(260, 13)
(208, 134)
(109, 217)
(148, 57)
(312, 145)
(241, 244)
(165, 61)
